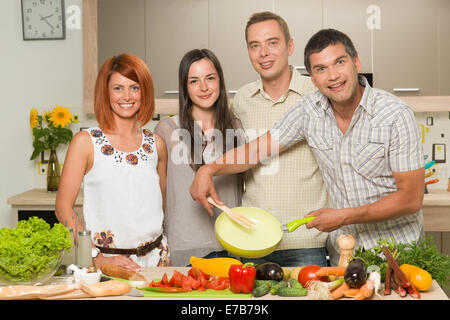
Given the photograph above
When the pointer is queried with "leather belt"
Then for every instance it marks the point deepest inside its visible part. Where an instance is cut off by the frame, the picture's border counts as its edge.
(139, 251)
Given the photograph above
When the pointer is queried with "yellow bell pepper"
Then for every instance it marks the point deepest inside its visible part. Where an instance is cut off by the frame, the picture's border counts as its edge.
(215, 266)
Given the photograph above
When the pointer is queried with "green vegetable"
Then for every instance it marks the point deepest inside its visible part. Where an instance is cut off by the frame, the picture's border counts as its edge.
(270, 283)
(295, 284)
(292, 292)
(423, 255)
(281, 284)
(32, 247)
(261, 290)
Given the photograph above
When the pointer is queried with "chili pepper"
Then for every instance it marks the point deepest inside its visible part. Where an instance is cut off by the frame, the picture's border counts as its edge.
(242, 277)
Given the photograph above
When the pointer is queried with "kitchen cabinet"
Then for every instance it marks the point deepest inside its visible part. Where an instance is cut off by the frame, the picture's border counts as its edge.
(173, 27)
(120, 30)
(444, 48)
(304, 18)
(409, 51)
(406, 48)
(227, 21)
(336, 16)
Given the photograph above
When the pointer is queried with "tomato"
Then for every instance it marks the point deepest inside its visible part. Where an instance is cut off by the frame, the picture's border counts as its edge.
(219, 283)
(197, 273)
(309, 273)
(177, 279)
(164, 280)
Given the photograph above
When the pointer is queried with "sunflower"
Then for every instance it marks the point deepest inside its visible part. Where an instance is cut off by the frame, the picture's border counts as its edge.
(33, 118)
(60, 116)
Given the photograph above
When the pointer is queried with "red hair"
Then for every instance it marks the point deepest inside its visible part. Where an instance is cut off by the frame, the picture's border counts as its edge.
(132, 67)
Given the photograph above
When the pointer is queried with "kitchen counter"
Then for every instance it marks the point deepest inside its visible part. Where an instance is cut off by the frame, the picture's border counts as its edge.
(434, 293)
(436, 211)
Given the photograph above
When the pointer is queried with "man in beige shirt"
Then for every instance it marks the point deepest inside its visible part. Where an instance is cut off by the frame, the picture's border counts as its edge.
(280, 187)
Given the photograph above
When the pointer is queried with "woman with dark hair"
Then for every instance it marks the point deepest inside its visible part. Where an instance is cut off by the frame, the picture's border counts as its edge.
(204, 129)
(123, 168)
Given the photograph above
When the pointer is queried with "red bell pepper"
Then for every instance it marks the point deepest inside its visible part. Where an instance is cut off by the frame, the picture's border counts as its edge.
(242, 277)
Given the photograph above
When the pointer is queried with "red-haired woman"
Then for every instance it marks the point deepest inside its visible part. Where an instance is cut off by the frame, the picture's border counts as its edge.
(123, 170)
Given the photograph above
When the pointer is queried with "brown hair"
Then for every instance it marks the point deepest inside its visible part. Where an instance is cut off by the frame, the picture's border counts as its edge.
(224, 117)
(267, 15)
(132, 67)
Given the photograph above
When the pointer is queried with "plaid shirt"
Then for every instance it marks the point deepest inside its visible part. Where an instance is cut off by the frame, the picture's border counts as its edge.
(357, 166)
(288, 187)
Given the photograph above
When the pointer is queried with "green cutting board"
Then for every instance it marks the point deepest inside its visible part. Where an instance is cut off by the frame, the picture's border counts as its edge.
(209, 293)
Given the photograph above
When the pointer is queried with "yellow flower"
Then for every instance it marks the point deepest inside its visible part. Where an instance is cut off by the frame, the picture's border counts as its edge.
(33, 118)
(46, 115)
(60, 116)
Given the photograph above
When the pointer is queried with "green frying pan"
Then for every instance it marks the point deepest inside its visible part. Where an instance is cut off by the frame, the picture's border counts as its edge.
(258, 241)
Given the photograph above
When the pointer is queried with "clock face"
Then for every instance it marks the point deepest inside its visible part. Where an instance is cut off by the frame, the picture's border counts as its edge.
(43, 19)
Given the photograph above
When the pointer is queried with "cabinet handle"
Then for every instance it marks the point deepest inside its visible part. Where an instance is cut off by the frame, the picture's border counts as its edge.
(300, 67)
(232, 91)
(171, 91)
(406, 89)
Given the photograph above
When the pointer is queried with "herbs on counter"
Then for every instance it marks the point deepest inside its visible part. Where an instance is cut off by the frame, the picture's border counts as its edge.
(422, 254)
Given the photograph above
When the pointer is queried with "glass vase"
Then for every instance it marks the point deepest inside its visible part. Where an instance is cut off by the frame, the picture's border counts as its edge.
(53, 172)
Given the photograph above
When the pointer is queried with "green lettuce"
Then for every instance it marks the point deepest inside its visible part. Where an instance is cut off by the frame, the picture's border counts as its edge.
(31, 249)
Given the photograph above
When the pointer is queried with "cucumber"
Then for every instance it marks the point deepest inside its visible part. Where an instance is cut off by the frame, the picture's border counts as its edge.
(270, 283)
(281, 284)
(261, 290)
(295, 284)
(292, 292)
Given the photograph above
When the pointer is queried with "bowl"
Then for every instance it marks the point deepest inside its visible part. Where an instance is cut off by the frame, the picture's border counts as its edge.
(29, 268)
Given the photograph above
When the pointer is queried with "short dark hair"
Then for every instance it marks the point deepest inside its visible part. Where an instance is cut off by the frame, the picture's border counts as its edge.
(265, 16)
(325, 38)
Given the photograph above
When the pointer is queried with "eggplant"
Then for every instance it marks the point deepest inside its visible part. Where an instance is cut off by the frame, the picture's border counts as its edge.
(355, 273)
(269, 271)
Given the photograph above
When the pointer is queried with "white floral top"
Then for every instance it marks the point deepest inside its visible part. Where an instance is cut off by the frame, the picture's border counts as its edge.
(122, 197)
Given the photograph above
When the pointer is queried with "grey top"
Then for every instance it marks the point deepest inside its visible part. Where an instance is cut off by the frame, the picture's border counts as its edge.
(188, 226)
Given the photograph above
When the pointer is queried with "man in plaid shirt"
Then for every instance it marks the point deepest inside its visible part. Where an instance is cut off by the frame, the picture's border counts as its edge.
(365, 141)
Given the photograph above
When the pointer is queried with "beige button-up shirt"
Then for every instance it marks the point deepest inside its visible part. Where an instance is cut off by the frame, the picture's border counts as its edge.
(289, 186)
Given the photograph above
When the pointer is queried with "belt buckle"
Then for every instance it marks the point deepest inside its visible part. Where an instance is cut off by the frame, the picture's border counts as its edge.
(140, 251)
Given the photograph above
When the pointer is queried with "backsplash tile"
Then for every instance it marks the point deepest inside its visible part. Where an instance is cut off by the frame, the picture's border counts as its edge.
(434, 128)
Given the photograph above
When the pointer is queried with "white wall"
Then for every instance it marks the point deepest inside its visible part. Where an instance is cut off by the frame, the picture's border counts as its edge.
(36, 74)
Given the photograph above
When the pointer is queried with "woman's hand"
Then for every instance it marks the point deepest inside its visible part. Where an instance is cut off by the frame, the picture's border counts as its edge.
(119, 260)
(203, 187)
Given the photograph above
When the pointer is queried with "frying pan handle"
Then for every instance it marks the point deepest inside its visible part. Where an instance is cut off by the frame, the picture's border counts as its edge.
(291, 226)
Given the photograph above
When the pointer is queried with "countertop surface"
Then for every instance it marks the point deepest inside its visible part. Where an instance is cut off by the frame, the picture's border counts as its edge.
(434, 293)
(42, 197)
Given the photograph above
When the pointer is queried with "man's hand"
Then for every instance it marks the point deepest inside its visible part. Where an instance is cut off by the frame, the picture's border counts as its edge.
(203, 187)
(327, 220)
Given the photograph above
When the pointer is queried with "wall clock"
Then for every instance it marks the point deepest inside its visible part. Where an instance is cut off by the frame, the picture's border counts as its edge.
(43, 20)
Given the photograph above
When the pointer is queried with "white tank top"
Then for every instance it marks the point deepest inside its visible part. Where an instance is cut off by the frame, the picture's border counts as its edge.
(122, 196)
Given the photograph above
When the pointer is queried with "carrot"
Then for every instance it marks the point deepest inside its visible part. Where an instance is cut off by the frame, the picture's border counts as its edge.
(339, 292)
(366, 291)
(330, 271)
(351, 293)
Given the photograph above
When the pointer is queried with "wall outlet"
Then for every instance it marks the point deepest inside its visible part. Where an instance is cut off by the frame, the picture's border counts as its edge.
(42, 168)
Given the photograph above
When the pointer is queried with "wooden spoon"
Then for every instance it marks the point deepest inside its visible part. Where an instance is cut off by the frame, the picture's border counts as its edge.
(235, 216)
